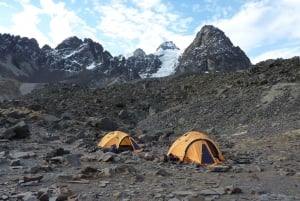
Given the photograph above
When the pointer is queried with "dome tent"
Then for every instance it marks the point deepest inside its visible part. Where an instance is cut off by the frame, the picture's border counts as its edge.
(121, 140)
(196, 147)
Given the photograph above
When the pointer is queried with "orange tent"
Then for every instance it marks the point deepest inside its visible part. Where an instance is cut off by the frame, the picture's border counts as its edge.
(196, 147)
(122, 141)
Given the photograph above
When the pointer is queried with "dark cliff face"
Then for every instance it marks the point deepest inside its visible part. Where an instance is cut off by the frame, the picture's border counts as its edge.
(20, 57)
(75, 55)
(212, 51)
(145, 64)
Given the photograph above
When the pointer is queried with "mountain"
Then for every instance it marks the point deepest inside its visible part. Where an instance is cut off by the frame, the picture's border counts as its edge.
(144, 64)
(73, 60)
(161, 63)
(75, 55)
(85, 62)
(212, 51)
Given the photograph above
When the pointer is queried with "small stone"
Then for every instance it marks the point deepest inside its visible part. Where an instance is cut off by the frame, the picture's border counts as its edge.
(118, 194)
(33, 170)
(29, 178)
(219, 168)
(44, 197)
(4, 197)
(162, 172)
(15, 162)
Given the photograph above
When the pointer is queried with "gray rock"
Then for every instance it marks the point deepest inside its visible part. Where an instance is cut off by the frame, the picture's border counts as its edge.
(213, 191)
(104, 183)
(24, 155)
(33, 169)
(30, 197)
(109, 171)
(161, 172)
(219, 168)
(108, 156)
(174, 199)
(6, 133)
(4, 197)
(3, 154)
(21, 130)
(107, 124)
(186, 193)
(124, 169)
(233, 189)
(64, 176)
(56, 160)
(149, 156)
(50, 118)
(15, 162)
(73, 159)
(136, 178)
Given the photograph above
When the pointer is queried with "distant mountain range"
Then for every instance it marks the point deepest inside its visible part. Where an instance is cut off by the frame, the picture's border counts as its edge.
(86, 62)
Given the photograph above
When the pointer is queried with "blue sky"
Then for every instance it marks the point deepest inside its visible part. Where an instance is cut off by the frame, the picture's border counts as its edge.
(264, 29)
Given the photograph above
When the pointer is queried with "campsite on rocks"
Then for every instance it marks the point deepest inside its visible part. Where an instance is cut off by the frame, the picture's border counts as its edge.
(51, 126)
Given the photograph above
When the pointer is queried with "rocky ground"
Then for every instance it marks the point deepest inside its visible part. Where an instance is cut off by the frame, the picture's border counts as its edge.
(48, 138)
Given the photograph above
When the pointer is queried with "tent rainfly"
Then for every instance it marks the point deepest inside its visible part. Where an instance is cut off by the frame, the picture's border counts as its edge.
(121, 140)
(196, 147)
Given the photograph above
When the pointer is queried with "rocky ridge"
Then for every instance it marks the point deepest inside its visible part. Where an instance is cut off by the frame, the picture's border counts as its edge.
(85, 62)
(48, 146)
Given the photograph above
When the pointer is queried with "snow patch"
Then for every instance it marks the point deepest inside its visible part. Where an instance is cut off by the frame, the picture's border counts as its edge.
(169, 60)
(82, 47)
(91, 66)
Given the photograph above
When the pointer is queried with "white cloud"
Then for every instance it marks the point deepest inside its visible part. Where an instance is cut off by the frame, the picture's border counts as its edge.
(278, 53)
(261, 24)
(63, 23)
(25, 23)
(146, 4)
(3, 4)
(121, 26)
(141, 23)
(24, 1)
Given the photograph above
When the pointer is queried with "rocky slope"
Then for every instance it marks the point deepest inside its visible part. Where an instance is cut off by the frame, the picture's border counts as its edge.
(212, 51)
(48, 146)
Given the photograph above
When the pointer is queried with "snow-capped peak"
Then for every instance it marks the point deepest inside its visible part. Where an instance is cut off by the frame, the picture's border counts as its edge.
(168, 54)
(167, 45)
